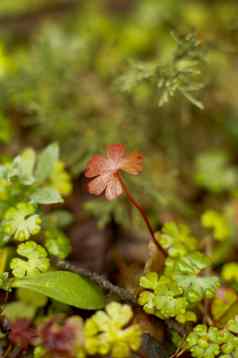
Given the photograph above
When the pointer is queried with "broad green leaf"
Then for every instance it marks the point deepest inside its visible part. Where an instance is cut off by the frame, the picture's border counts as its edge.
(46, 161)
(65, 287)
(46, 196)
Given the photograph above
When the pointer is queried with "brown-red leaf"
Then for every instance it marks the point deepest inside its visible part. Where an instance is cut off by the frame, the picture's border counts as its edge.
(103, 170)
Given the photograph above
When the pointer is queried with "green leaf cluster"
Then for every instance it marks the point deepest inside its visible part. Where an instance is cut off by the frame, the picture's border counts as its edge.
(105, 332)
(28, 182)
(212, 342)
(178, 290)
(181, 74)
(110, 332)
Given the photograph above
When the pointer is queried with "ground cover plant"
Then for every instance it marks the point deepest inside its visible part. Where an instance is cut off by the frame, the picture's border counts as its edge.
(118, 179)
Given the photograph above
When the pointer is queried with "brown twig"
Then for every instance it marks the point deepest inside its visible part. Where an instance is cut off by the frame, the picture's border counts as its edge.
(135, 203)
(100, 280)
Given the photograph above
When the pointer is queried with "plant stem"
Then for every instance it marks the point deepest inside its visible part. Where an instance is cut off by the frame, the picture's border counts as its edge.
(208, 272)
(133, 201)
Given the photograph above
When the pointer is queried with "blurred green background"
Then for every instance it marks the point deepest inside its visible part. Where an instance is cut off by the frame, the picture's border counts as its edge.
(158, 76)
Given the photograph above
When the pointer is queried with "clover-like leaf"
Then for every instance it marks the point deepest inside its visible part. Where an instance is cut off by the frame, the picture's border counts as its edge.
(108, 332)
(164, 298)
(189, 264)
(36, 260)
(204, 341)
(177, 240)
(21, 222)
(175, 292)
(197, 288)
(211, 342)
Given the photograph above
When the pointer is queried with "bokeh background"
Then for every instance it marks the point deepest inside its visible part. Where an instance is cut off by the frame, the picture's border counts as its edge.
(160, 76)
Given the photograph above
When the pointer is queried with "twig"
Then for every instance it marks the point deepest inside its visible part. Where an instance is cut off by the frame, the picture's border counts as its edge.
(100, 280)
(143, 214)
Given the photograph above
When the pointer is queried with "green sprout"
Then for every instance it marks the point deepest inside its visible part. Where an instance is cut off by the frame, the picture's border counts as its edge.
(174, 293)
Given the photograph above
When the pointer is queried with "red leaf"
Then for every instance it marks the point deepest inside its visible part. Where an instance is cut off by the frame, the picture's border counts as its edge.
(104, 170)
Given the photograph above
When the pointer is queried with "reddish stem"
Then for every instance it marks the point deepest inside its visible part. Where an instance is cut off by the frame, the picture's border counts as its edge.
(142, 212)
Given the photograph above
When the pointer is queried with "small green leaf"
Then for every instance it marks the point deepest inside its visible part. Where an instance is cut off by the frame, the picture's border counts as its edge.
(36, 260)
(46, 196)
(65, 287)
(21, 222)
(22, 167)
(46, 162)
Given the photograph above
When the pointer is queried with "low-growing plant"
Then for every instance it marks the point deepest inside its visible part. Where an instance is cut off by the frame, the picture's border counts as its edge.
(185, 292)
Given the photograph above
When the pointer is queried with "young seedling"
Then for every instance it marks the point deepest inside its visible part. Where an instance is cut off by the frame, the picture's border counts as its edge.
(106, 177)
